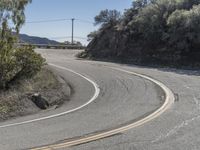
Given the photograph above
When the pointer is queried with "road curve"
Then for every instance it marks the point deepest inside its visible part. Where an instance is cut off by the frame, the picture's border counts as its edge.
(96, 94)
(169, 100)
(124, 98)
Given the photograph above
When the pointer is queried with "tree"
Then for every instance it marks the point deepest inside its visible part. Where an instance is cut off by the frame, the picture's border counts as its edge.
(92, 35)
(138, 4)
(166, 31)
(13, 58)
(184, 32)
(107, 17)
(129, 14)
(13, 10)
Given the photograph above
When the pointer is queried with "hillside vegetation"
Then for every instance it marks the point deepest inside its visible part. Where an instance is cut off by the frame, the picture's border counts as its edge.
(150, 32)
(16, 63)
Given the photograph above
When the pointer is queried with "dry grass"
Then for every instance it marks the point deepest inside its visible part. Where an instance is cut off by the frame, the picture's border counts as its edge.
(15, 101)
(42, 81)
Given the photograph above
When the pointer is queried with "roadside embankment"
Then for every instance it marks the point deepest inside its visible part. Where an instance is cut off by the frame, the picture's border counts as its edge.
(17, 101)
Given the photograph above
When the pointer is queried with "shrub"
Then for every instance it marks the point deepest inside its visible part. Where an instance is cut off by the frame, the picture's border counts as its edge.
(152, 31)
(22, 63)
(16, 62)
(28, 62)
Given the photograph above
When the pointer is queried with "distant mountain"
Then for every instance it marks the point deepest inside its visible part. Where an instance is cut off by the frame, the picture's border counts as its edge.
(36, 40)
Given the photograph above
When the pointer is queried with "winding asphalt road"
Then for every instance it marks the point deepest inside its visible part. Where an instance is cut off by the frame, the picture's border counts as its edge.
(123, 98)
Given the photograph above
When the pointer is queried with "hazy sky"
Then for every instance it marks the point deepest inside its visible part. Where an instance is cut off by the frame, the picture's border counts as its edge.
(61, 9)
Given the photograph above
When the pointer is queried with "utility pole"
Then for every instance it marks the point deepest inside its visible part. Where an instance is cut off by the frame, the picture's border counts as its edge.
(73, 31)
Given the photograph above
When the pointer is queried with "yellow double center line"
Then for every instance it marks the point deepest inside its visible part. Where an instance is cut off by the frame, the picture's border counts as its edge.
(169, 100)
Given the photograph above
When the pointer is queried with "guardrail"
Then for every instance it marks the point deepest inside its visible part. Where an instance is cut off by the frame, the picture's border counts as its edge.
(49, 46)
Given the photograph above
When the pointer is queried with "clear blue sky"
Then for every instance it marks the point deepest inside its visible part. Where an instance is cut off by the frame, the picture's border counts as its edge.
(60, 9)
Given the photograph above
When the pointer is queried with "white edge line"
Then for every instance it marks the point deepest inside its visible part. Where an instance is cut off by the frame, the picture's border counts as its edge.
(169, 100)
(96, 94)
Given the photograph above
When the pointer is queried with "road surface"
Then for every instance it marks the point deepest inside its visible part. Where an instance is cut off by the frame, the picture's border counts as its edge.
(123, 98)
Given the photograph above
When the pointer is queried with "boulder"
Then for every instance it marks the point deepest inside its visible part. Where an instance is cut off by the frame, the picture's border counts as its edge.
(39, 101)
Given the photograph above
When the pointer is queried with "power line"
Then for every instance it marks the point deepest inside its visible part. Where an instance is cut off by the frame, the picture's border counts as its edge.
(58, 20)
(68, 37)
(62, 37)
(46, 21)
(78, 37)
(85, 21)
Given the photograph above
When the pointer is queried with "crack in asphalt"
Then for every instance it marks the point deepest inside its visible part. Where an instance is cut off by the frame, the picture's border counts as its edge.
(176, 129)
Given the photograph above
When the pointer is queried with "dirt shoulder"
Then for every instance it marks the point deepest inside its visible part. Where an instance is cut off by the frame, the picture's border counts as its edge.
(17, 100)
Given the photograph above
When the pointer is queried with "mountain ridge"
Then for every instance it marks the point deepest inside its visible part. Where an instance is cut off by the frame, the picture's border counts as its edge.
(24, 38)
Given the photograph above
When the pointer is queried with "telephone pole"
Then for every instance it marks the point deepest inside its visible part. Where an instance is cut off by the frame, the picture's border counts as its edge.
(73, 31)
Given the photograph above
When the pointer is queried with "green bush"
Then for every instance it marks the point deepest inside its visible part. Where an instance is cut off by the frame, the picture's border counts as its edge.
(151, 32)
(16, 62)
(28, 62)
(21, 64)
